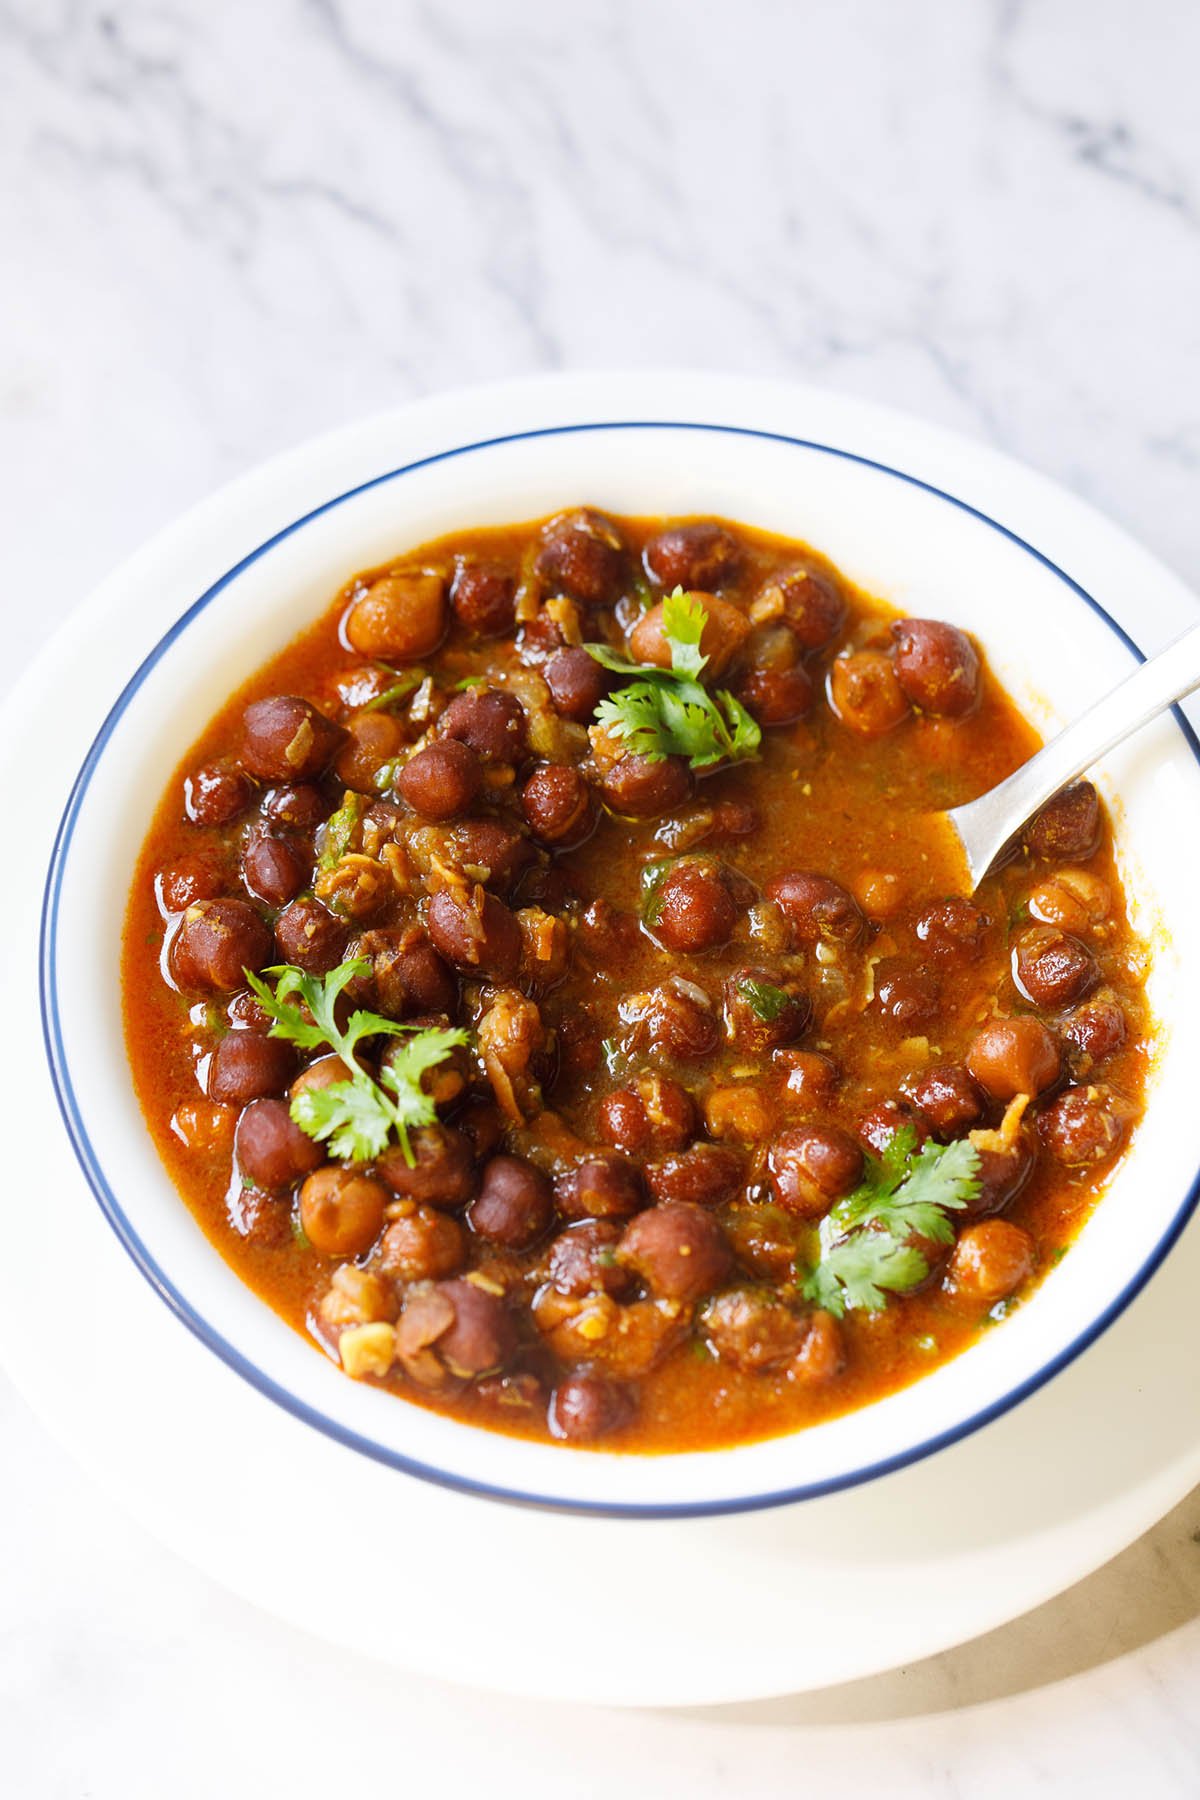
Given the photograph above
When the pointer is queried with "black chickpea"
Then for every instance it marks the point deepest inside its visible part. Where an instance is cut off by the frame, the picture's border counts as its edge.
(484, 599)
(285, 738)
(577, 683)
(216, 793)
(558, 806)
(694, 909)
(217, 941)
(441, 781)
(490, 721)
(514, 1205)
(247, 1065)
(638, 788)
(703, 555)
(937, 666)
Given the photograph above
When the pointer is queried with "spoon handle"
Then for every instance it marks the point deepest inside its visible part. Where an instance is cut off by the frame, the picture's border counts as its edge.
(986, 825)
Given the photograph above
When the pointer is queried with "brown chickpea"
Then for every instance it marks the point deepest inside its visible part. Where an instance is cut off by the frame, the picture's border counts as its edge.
(810, 600)
(475, 932)
(991, 1260)
(638, 788)
(774, 685)
(880, 1123)
(693, 908)
(676, 1018)
(248, 1065)
(216, 793)
(906, 993)
(1068, 827)
(401, 617)
(484, 599)
(865, 695)
(285, 738)
(701, 555)
(514, 1205)
(601, 1187)
(270, 1147)
(809, 1076)
(217, 941)
(407, 974)
(491, 721)
(678, 1249)
(652, 1114)
(577, 683)
(296, 807)
(341, 1211)
(373, 739)
(423, 1244)
(726, 629)
(1013, 1056)
(950, 1098)
(585, 1406)
(310, 936)
(707, 1175)
(817, 909)
(558, 806)
(811, 1166)
(325, 1072)
(441, 781)
(442, 1172)
(1052, 968)
(188, 880)
(762, 1013)
(1094, 1031)
(751, 1329)
(936, 666)
(583, 556)
(582, 1260)
(272, 870)
(952, 930)
(1002, 1175)
(1085, 1125)
(482, 1335)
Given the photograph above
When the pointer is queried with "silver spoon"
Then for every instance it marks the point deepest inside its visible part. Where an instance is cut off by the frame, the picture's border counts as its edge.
(988, 825)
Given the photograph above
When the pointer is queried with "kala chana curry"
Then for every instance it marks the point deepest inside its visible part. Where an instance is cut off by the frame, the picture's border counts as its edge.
(551, 988)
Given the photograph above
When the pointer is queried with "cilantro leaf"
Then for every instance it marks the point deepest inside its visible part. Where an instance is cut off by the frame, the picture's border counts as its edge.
(346, 1115)
(684, 620)
(765, 1001)
(910, 1191)
(861, 1271)
(867, 1248)
(667, 712)
(356, 1117)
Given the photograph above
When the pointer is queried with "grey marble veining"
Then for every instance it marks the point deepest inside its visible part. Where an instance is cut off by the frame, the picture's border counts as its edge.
(227, 224)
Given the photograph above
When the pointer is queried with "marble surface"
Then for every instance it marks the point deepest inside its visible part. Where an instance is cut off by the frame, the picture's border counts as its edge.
(226, 227)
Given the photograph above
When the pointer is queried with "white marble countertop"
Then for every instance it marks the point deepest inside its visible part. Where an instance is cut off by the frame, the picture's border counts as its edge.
(227, 227)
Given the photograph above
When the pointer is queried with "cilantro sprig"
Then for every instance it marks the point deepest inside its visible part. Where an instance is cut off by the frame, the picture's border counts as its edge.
(867, 1248)
(355, 1117)
(667, 712)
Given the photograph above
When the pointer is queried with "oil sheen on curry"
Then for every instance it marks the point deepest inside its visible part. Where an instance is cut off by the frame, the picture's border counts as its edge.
(549, 986)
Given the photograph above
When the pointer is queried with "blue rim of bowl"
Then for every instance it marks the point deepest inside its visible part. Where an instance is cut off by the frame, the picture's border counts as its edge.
(228, 1353)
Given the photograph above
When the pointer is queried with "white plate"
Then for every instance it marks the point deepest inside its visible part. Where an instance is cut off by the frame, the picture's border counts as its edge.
(640, 1612)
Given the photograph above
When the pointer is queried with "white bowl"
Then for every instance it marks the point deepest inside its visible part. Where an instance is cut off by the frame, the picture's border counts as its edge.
(898, 536)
